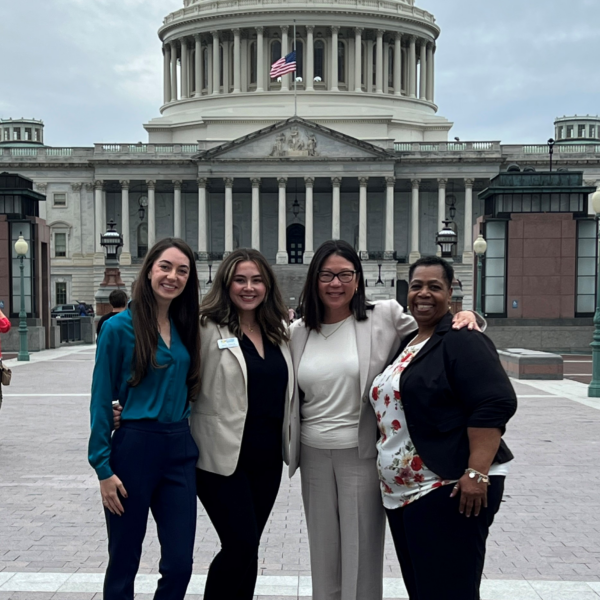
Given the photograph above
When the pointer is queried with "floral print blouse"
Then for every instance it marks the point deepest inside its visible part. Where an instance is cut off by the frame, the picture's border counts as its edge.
(403, 476)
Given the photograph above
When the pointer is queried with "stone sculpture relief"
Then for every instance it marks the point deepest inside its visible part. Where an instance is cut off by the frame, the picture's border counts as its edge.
(295, 143)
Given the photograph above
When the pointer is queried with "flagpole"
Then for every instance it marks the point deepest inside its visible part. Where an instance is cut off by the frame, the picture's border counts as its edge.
(295, 78)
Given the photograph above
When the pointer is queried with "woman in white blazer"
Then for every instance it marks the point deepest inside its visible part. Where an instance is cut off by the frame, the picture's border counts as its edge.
(339, 346)
(240, 419)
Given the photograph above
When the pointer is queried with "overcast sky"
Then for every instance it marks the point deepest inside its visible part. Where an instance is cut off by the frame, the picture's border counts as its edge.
(92, 69)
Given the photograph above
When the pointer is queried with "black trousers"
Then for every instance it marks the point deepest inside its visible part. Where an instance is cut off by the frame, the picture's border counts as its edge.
(239, 506)
(442, 552)
(156, 463)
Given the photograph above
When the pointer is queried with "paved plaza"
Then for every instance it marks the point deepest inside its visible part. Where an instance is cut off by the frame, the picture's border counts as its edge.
(545, 543)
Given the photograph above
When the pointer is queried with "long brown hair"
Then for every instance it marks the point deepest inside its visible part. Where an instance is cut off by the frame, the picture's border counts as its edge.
(184, 311)
(311, 305)
(271, 314)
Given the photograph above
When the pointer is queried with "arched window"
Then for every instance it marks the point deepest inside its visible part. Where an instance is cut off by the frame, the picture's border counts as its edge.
(341, 62)
(374, 54)
(193, 70)
(299, 58)
(221, 65)
(253, 66)
(363, 71)
(231, 70)
(275, 51)
(391, 66)
(142, 240)
(319, 60)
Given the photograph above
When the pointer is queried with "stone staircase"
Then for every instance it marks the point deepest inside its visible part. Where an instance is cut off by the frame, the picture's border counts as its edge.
(291, 280)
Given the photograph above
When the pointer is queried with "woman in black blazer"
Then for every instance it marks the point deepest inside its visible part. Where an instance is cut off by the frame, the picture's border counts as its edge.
(442, 406)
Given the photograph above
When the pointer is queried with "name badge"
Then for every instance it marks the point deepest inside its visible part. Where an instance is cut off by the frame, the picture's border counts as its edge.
(228, 343)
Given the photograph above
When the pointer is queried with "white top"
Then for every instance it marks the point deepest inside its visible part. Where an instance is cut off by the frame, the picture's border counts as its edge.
(329, 376)
(403, 475)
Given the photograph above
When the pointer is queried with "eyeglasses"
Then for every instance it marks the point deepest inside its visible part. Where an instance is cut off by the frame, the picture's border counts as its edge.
(343, 276)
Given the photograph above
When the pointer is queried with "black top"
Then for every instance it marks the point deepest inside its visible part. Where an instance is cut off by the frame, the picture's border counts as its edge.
(456, 381)
(103, 319)
(267, 388)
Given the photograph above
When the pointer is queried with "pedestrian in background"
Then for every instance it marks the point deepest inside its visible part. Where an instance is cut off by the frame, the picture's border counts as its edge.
(341, 343)
(240, 419)
(4, 328)
(118, 302)
(442, 406)
(148, 357)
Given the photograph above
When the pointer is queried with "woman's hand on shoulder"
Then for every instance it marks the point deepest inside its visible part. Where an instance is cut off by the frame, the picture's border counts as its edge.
(465, 318)
(110, 489)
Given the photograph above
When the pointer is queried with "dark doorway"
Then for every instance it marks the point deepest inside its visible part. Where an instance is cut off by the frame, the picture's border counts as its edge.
(295, 243)
(402, 292)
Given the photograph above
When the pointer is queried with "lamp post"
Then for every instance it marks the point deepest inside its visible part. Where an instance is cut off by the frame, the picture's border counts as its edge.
(479, 247)
(447, 239)
(111, 241)
(551, 143)
(21, 248)
(594, 387)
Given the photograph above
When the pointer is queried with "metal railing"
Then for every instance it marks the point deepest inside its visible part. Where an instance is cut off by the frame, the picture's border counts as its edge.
(70, 329)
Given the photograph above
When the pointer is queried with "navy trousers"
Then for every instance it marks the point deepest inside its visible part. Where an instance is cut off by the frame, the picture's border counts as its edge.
(442, 552)
(156, 463)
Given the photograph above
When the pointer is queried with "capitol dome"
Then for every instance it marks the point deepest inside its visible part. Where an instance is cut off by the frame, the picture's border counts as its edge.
(378, 86)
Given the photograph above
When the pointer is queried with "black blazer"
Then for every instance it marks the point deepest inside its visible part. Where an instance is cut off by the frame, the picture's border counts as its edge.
(455, 381)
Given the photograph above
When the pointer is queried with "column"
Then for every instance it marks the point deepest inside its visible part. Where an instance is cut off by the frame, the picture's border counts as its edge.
(228, 215)
(282, 255)
(98, 187)
(285, 79)
(151, 213)
(414, 222)
(125, 222)
(358, 59)
(256, 213)
(423, 75)
(433, 74)
(260, 60)
(177, 208)
(185, 71)
(334, 59)
(335, 207)
(441, 203)
(412, 68)
(309, 65)
(199, 66)
(237, 59)
(167, 72)
(468, 229)
(386, 66)
(388, 253)
(226, 74)
(379, 63)
(216, 69)
(398, 64)
(369, 73)
(202, 225)
(362, 218)
(430, 72)
(173, 71)
(309, 250)
(76, 187)
(209, 68)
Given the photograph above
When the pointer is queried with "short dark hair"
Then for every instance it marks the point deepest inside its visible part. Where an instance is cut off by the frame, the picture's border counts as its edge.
(118, 299)
(433, 261)
(311, 307)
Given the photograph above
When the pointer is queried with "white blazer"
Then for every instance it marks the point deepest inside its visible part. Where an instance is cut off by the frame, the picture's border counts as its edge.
(377, 340)
(219, 412)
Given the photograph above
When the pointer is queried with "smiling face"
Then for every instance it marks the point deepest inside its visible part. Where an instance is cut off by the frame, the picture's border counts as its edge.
(247, 289)
(337, 295)
(429, 296)
(169, 275)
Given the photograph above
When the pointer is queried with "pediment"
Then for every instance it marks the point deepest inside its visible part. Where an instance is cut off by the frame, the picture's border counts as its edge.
(296, 139)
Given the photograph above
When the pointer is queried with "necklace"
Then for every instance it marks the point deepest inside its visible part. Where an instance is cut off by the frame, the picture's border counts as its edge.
(250, 327)
(338, 327)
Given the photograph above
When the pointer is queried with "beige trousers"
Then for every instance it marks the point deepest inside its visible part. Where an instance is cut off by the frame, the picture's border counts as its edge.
(346, 524)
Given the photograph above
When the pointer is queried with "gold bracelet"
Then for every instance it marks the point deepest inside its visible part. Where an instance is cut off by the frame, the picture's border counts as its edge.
(480, 476)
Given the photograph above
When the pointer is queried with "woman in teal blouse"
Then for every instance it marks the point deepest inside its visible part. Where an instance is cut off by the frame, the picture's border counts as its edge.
(148, 359)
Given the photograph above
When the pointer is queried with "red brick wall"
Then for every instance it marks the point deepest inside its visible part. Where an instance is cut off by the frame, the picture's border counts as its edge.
(541, 266)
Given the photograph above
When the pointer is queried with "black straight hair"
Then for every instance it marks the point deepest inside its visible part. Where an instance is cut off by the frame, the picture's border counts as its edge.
(433, 261)
(311, 307)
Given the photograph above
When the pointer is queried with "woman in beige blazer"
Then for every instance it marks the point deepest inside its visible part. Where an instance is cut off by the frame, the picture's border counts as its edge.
(240, 419)
(339, 346)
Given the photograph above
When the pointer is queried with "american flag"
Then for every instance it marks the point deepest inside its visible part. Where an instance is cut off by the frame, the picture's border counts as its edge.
(286, 64)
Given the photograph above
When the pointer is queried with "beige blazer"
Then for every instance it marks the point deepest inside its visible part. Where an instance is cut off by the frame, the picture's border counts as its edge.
(377, 340)
(219, 412)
